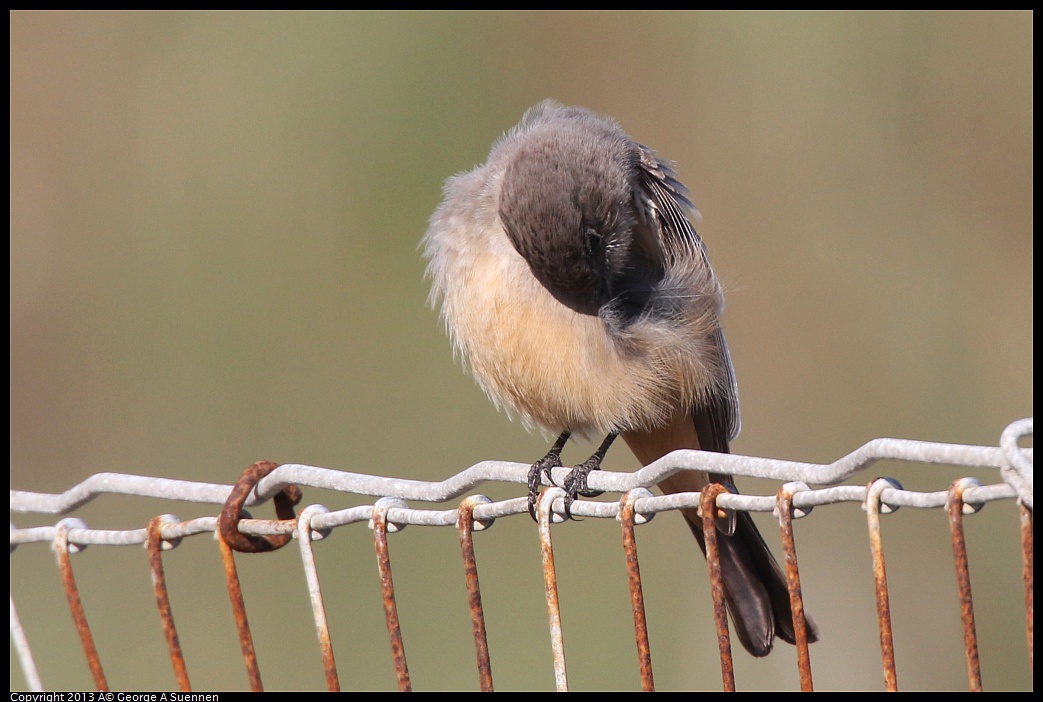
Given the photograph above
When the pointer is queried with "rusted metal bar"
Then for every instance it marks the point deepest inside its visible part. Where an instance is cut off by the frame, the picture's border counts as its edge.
(228, 521)
(465, 524)
(955, 507)
(62, 549)
(708, 508)
(318, 608)
(231, 539)
(242, 624)
(1026, 573)
(796, 598)
(155, 545)
(387, 586)
(550, 583)
(637, 597)
(873, 508)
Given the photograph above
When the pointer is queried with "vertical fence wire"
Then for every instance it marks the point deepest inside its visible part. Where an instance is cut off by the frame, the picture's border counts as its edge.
(955, 508)
(789, 548)
(155, 546)
(63, 549)
(637, 597)
(708, 506)
(550, 582)
(387, 589)
(466, 527)
(874, 507)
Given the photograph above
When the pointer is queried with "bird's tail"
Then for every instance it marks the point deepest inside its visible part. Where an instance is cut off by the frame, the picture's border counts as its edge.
(754, 586)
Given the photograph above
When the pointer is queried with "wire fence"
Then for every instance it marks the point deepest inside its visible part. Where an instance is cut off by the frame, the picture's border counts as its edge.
(239, 534)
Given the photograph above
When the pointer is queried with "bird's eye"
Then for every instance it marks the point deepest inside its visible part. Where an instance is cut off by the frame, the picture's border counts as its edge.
(592, 238)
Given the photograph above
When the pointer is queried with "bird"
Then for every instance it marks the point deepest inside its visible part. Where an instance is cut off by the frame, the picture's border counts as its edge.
(572, 282)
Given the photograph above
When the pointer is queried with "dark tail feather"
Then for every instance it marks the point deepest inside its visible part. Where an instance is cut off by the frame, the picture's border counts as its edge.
(754, 587)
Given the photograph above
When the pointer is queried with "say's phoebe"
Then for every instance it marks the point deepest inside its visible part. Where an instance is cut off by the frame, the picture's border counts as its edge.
(573, 283)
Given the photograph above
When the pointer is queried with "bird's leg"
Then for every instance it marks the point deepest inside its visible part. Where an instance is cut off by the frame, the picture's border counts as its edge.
(543, 467)
(576, 481)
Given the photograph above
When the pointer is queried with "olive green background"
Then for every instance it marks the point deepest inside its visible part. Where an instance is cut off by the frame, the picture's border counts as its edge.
(214, 229)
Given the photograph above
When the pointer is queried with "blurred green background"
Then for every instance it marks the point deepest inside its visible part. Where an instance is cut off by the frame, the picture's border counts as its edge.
(214, 229)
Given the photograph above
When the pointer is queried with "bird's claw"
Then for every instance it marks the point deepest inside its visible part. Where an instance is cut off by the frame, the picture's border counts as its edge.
(575, 484)
(541, 468)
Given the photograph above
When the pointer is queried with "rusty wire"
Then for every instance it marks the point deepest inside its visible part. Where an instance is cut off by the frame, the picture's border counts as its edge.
(63, 549)
(708, 508)
(261, 481)
(387, 588)
(231, 539)
(242, 623)
(159, 584)
(466, 525)
(228, 522)
(956, 508)
(637, 598)
(796, 598)
(874, 507)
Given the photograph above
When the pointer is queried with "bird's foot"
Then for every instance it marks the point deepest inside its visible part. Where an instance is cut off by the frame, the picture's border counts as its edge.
(543, 467)
(575, 484)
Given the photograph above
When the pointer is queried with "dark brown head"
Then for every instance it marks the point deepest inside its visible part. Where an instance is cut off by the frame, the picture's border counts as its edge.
(567, 204)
